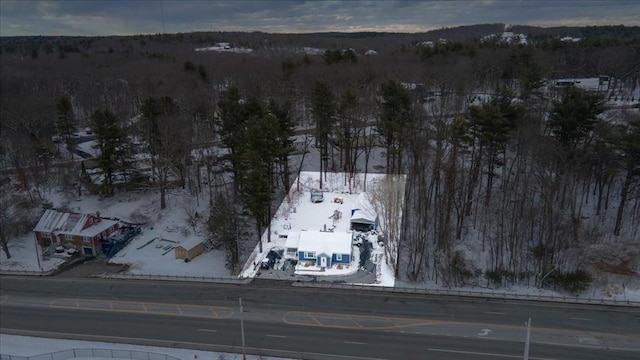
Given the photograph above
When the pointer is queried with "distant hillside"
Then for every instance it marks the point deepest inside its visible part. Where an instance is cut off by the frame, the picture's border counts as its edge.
(360, 41)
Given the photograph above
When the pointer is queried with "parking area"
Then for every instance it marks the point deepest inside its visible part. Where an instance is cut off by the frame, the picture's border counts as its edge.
(93, 267)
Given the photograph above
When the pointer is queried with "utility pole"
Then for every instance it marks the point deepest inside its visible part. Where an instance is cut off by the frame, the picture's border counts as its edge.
(526, 343)
(244, 353)
(38, 252)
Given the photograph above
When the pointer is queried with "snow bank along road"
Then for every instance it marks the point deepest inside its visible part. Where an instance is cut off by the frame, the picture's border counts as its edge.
(312, 323)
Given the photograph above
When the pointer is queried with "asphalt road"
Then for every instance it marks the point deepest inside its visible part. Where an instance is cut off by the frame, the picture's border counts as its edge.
(313, 323)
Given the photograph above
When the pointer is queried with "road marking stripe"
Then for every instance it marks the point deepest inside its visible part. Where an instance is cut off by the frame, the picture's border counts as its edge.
(581, 319)
(495, 313)
(120, 306)
(276, 336)
(354, 342)
(483, 353)
(208, 330)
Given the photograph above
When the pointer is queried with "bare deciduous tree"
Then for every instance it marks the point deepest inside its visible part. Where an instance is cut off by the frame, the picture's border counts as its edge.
(387, 199)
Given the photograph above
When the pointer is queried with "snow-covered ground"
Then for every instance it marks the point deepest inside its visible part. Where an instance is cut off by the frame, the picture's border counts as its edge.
(29, 346)
(172, 224)
(24, 257)
(297, 213)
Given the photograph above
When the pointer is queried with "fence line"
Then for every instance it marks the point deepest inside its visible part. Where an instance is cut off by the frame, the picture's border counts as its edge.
(92, 352)
(224, 280)
(471, 293)
(398, 289)
(26, 272)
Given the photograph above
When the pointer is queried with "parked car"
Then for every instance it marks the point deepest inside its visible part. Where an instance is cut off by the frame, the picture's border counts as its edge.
(266, 264)
(270, 260)
(317, 196)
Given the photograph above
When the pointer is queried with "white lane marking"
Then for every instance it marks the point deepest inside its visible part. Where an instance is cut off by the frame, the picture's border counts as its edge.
(581, 319)
(495, 313)
(484, 354)
(354, 342)
(484, 332)
(276, 336)
(208, 330)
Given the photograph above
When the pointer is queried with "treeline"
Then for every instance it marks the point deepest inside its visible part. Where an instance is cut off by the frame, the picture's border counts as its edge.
(491, 159)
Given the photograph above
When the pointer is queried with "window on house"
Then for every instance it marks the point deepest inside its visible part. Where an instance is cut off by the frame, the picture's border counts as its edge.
(338, 257)
(68, 237)
(310, 255)
(86, 240)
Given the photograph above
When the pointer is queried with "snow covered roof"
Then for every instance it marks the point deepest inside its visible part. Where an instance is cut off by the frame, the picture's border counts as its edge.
(325, 242)
(592, 84)
(72, 223)
(293, 239)
(363, 212)
(360, 216)
(189, 242)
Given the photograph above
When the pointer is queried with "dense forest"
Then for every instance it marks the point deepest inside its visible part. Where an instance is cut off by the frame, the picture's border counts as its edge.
(499, 161)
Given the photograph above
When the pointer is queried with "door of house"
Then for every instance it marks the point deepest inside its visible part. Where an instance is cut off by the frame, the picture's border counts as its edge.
(87, 251)
(323, 261)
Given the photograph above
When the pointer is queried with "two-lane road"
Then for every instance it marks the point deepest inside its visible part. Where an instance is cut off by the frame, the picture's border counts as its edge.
(313, 323)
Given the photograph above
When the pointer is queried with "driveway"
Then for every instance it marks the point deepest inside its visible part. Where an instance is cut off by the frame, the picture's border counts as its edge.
(362, 276)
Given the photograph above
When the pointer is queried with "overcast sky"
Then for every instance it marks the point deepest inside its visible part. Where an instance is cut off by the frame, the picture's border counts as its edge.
(126, 17)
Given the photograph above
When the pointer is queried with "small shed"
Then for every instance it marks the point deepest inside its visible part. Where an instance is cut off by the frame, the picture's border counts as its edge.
(188, 250)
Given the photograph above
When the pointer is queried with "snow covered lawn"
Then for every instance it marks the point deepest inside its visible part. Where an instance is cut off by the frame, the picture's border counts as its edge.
(298, 213)
(24, 259)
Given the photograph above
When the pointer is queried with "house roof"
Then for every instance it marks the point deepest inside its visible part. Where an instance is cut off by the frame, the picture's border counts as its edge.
(293, 240)
(362, 217)
(71, 223)
(325, 242)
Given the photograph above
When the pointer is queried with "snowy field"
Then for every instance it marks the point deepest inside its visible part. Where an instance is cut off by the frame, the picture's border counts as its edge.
(28, 346)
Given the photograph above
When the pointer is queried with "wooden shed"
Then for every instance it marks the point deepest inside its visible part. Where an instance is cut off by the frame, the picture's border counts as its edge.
(188, 250)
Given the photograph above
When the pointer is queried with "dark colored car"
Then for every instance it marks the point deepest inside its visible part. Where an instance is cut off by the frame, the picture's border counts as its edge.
(270, 260)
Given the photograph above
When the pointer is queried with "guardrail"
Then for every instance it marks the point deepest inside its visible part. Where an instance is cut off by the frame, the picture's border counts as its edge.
(26, 272)
(227, 280)
(91, 352)
(472, 293)
(397, 289)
